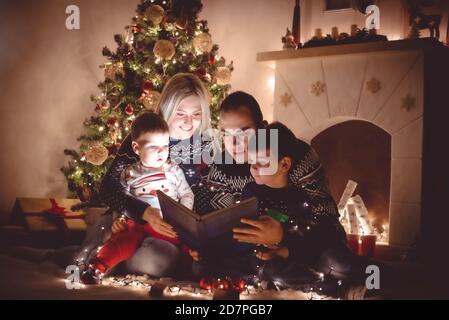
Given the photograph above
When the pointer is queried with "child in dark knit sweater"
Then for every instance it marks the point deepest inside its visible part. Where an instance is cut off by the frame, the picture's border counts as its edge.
(308, 242)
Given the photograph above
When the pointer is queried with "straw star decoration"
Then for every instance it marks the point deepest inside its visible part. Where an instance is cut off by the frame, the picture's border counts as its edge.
(286, 99)
(373, 86)
(317, 88)
(408, 102)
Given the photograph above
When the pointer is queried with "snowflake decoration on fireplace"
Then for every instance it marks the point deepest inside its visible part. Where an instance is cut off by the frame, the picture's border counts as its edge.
(408, 102)
(317, 88)
(373, 86)
(286, 99)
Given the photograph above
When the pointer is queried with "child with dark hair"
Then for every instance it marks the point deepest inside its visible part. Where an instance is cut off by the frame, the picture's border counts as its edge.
(308, 246)
(240, 117)
(150, 141)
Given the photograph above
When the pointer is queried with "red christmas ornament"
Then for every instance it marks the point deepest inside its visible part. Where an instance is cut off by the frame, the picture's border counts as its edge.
(206, 283)
(104, 105)
(211, 59)
(129, 110)
(112, 122)
(221, 283)
(238, 284)
(201, 72)
(147, 86)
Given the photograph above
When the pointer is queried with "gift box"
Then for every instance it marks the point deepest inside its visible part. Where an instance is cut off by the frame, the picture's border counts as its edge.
(50, 220)
(49, 214)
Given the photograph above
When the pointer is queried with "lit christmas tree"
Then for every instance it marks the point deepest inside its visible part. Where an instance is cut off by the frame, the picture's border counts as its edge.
(165, 38)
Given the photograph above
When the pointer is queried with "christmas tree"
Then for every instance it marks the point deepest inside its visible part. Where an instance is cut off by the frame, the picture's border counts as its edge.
(165, 37)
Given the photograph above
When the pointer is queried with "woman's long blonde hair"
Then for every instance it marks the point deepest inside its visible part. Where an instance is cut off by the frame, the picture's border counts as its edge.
(180, 87)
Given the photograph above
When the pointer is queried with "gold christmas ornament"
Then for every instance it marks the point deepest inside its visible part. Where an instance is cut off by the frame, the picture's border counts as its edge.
(164, 49)
(223, 76)
(202, 43)
(155, 13)
(151, 100)
(111, 70)
(97, 154)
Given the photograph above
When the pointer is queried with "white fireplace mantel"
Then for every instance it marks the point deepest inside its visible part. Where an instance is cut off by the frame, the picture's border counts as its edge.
(379, 82)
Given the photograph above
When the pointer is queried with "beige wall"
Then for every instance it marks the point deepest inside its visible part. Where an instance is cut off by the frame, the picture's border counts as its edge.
(48, 74)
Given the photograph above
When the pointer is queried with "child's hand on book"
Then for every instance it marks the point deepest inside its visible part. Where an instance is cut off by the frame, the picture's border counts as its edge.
(119, 225)
(154, 217)
(266, 230)
(195, 255)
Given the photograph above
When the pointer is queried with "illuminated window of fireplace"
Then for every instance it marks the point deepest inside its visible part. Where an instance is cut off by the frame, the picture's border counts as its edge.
(338, 4)
(359, 151)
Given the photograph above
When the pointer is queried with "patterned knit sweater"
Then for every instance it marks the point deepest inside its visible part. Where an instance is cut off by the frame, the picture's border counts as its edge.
(306, 234)
(223, 183)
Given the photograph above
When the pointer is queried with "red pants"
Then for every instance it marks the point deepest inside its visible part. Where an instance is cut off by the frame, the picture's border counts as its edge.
(123, 245)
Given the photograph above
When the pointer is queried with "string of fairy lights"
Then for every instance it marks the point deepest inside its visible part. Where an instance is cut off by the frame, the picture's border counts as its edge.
(316, 291)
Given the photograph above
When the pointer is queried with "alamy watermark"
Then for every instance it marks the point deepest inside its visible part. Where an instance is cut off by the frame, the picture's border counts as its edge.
(73, 282)
(373, 17)
(72, 22)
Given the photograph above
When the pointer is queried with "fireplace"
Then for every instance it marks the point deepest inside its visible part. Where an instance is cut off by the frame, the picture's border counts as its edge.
(365, 109)
(360, 151)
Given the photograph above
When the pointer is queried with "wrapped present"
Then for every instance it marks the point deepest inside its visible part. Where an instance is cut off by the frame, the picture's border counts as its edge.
(48, 215)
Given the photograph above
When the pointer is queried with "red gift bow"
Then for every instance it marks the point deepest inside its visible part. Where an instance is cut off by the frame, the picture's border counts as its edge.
(60, 214)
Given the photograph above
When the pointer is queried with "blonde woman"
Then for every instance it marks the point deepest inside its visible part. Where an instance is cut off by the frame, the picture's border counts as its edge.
(184, 105)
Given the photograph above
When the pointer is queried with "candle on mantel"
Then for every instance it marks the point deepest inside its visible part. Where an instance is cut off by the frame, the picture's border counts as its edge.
(353, 30)
(318, 33)
(335, 32)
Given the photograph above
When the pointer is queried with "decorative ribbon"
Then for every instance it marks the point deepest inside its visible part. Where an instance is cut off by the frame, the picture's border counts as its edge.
(59, 214)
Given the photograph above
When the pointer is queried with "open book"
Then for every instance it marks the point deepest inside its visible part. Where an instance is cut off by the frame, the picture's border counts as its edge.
(210, 231)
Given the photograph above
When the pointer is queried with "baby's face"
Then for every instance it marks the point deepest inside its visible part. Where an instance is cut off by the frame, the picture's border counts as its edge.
(152, 148)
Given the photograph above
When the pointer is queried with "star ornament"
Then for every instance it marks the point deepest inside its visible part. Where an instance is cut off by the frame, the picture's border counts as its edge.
(286, 99)
(373, 86)
(408, 102)
(317, 88)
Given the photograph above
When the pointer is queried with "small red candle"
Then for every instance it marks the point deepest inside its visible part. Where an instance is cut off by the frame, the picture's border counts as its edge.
(353, 243)
(368, 245)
